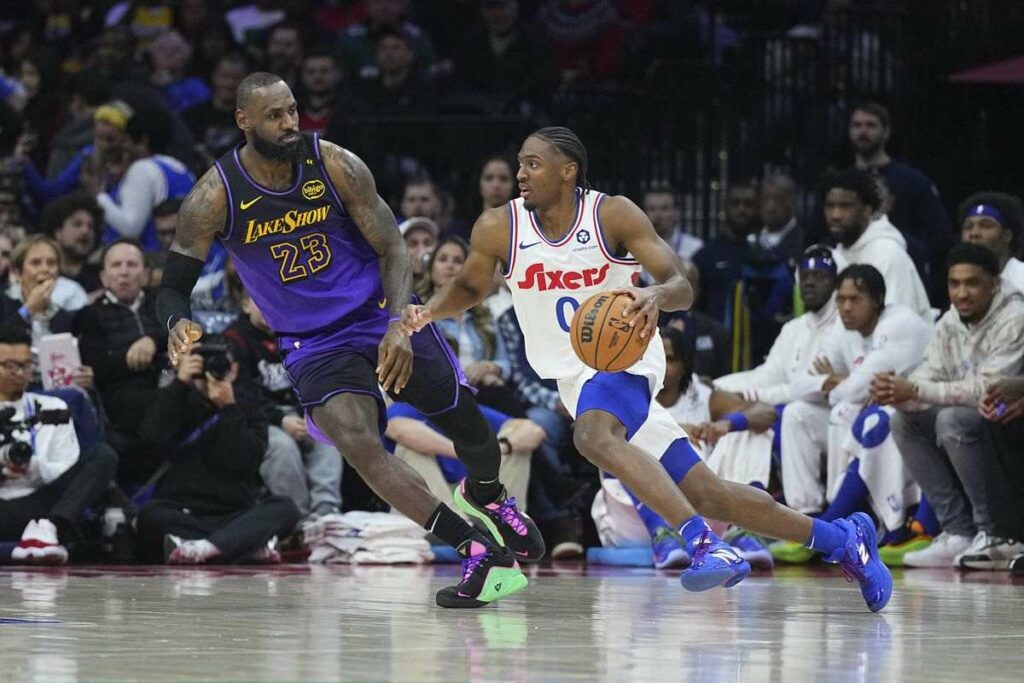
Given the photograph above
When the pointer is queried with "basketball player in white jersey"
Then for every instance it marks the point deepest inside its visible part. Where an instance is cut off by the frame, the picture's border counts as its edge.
(561, 242)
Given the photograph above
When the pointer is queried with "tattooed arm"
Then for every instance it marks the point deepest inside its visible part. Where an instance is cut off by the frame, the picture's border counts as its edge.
(356, 187)
(201, 217)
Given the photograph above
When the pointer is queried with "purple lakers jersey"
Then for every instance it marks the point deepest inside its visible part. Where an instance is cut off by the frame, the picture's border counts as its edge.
(301, 257)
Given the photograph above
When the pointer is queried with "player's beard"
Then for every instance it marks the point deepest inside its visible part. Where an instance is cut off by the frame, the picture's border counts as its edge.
(278, 151)
(528, 205)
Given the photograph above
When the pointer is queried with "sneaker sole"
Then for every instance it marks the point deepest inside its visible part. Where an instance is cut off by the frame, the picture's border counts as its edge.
(676, 559)
(984, 564)
(697, 581)
(759, 559)
(501, 583)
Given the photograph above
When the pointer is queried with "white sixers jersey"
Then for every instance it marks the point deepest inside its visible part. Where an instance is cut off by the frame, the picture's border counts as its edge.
(549, 280)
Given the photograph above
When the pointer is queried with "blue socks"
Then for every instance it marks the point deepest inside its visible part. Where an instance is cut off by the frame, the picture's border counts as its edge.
(692, 530)
(651, 519)
(852, 496)
(826, 537)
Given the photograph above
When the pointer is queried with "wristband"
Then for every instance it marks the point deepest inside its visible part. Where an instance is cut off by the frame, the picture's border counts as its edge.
(394, 319)
(738, 421)
(25, 313)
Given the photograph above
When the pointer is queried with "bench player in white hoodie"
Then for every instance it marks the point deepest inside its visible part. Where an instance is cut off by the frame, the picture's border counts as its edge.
(854, 213)
(558, 244)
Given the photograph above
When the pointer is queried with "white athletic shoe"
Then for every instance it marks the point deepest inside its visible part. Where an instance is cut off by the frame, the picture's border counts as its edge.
(991, 553)
(942, 552)
(39, 545)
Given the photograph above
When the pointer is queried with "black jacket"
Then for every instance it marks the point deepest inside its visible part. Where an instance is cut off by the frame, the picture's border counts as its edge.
(261, 365)
(106, 330)
(214, 455)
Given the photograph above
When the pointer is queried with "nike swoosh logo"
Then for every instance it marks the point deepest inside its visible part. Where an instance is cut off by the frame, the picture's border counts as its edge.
(382, 303)
(527, 246)
(246, 205)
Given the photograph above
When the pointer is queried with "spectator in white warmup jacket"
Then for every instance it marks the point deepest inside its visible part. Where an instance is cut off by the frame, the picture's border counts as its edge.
(874, 338)
(938, 427)
(995, 220)
(854, 214)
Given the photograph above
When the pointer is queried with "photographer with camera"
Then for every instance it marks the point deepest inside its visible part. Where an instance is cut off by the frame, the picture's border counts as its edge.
(206, 506)
(45, 482)
(121, 338)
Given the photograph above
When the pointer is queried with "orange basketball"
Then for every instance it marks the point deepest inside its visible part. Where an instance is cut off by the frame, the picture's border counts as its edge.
(601, 335)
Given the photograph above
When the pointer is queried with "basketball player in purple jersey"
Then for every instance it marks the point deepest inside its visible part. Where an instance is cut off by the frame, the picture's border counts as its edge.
(560, 243)
(321, 255)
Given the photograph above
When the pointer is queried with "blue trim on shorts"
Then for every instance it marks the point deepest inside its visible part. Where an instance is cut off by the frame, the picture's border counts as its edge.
(679, 459)
(624, 395)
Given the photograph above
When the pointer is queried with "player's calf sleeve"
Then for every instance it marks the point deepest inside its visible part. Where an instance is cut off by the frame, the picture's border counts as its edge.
(476, 444)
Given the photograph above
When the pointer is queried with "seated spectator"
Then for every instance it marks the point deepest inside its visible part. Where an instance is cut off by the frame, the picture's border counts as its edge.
(937, 427)
(6, 250)
(720, 261)
(120, 337)
(662, 208)
(74, 221)
(479, 349)
(1002, 405)
(296, 465)
(206, 506)
(501, 65)
(320, 92)
(165, 222)
(782, 234)
(422, 197)
(151, 178)
(995, 220)
(496, 183)
(357, 44)
(212, 122)
(42, 498)
(88, 92)
(399, 87)
(800, 340)
(283, 52)
(420, 235)
(709, 337)
(874, 337)
(48, 299)
(852, 201)
(170, 55)
(95, 167)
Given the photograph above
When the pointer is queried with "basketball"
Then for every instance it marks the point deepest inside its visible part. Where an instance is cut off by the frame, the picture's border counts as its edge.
(601, 335)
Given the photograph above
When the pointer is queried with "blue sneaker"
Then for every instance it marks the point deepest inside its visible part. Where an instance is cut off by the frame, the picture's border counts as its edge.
(715, 563)
(750, 548)
(668, 549)
(860, 562)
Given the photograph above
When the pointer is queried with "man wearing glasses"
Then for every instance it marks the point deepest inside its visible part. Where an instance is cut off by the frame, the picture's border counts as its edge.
(45, 482)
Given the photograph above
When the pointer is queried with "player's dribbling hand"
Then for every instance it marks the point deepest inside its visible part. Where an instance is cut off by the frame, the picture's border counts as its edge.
(395, 354)
(643, 310)
(414, 318)
(183, 335)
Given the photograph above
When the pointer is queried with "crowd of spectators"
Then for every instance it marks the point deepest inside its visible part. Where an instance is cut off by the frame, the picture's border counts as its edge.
(875, 354)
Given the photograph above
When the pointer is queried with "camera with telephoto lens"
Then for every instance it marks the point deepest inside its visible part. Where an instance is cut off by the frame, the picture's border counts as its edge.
(215, 360)
(14, 452)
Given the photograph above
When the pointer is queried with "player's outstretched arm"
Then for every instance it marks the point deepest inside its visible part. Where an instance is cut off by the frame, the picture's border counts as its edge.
(202, 216)
(488, 245)
(626, 227)
(356, 187)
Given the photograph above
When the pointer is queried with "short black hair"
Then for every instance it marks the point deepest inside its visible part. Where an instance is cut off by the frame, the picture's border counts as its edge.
(392, 32)
(867, 279)
(252, 82)
(683, 349)
(569, 144)
(152, 123)
(876, 109)
(13, 334)
(1006, 204)
(855, 180)
(168, 207)
(131, 241)
(60, 209)
(974, 254)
